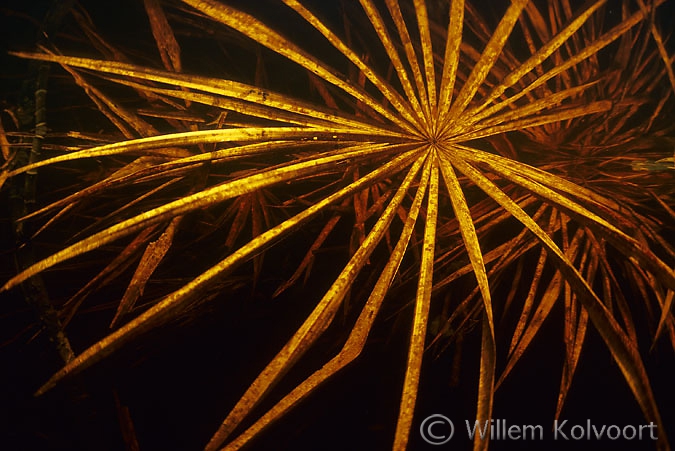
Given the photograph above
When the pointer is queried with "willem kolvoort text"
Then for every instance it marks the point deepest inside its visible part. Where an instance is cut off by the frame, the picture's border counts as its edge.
(499, 429)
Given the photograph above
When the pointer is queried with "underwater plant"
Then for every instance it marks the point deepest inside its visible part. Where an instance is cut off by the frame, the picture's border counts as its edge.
(491, 171)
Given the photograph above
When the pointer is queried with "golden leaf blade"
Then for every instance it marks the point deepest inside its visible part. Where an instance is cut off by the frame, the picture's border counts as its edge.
(242, 207)
(529, 301)
(543, 184)
(306, 262)
(498, 254)
(488, 346)
(180, 298)
(588, 50)
(486, 383)
(232, 104)
(227, 88)
(659, 44)
(540, 175)
(666, 317)
(381, 29)
(468, 231)
(575, 333)
(112, 270)
(316, 322)
(256, 30)
(534, 285)
(4, 145)
(146, 167)
(421, 315)
(550, 101)
(119, 116)
(576, 340)
(487, 59)
(537, 58)
(537, 120)
(545, 306)
(427, 52)
(210, 196)
(359, 333)
(451, 59)
(611, 286)
(169, 50)
(183, 139)
(410, 111)
(152, 256)
(257, 207)
(623, 351)
(404, 35)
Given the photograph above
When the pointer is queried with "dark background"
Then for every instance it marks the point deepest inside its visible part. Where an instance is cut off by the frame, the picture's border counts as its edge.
(179, 383)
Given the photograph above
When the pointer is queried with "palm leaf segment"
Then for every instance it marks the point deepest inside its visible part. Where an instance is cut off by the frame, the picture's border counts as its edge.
(419, 129)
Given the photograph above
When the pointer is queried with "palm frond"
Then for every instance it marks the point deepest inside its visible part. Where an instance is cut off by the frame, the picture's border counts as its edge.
(489, 137)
